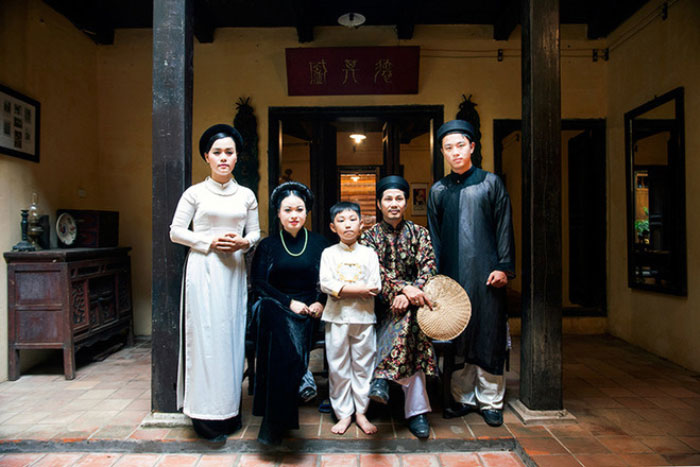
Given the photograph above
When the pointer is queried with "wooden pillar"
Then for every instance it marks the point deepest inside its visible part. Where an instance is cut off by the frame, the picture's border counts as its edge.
(391, 147)
(541, 355)
(172, 174)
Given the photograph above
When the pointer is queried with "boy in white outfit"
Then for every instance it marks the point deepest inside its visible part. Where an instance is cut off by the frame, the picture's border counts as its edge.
(350, 276)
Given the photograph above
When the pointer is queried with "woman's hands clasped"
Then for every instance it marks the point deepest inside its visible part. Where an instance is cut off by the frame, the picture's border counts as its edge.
(315, 310)
(229, 243)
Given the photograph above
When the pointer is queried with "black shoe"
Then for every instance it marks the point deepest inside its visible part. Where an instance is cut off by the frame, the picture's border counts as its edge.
(493, 417)
(379, 391)
(419, 426)
(307, 394)
(458, 410)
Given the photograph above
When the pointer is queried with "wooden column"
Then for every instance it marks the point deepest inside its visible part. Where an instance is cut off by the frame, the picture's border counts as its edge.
(541, 361)
(391, 147)
(172, 174)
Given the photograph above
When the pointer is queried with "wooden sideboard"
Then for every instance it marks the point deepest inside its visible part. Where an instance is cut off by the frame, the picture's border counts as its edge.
(66, 299)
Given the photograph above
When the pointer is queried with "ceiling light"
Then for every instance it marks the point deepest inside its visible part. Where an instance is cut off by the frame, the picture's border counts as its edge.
(355, 178)
(352, 20)
(358, 137)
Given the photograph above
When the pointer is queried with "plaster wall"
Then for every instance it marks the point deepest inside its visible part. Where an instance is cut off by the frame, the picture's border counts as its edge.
(43, 56)
(97, 100)
(251, 62)
(661, 56)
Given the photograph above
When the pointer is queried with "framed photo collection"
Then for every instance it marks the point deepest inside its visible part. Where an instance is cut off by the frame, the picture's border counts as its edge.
(19, 125)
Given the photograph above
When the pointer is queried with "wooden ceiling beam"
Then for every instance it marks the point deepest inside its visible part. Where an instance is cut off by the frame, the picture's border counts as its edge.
(203, 27)
(303, 11)
(506, 21)
(93, 19)
(406, 21)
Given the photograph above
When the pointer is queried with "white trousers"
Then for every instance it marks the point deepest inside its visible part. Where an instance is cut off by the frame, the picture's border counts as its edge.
(351, 350)
(472, 385)
(415, 395)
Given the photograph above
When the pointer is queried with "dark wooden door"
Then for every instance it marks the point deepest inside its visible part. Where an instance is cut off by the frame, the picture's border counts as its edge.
(587, 220)
(324, 184)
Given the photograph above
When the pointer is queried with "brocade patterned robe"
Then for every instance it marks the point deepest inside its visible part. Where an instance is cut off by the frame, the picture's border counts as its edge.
(405, 258)
(469, 217)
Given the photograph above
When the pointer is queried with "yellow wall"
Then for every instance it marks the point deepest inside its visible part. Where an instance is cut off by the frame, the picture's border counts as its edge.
(251, 62)
(45, 57)
(661, 57)
(96, 108)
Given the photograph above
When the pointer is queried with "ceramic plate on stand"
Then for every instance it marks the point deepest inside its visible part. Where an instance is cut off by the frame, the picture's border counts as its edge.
(66, 229)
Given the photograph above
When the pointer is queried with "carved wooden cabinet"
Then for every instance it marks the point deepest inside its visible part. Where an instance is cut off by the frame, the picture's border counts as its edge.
(66, 299)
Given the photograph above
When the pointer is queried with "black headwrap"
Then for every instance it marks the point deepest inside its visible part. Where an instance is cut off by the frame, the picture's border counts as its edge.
(392, 181)
(456, 126)
(216, 132)
(291, 189)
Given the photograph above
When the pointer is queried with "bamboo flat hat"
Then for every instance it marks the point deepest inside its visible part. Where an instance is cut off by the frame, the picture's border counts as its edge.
(451, 309)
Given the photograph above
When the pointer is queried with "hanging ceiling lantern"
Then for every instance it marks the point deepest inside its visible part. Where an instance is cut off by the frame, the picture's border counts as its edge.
(352, 20)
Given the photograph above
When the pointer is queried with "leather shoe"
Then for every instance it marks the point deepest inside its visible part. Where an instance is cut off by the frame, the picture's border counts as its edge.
(458, 410)
(493, 417)
(379, 391)
(307, 394)
(419, 426)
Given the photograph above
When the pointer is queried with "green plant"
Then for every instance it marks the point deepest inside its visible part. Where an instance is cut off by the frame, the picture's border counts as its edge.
(641, 226)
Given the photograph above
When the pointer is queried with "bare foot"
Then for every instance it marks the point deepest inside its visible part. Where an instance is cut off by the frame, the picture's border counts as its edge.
(340, 427)
(365, 424)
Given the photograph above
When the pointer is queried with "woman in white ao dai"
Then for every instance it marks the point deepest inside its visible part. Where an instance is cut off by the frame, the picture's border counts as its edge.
(224, 218)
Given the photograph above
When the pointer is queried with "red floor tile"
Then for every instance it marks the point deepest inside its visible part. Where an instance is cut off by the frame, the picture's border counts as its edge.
(556, 460)
(500, 459)
(420, 460)
(683, 459)
(692, 441)
(177, 460)
(137, 460)
(257, 460)
(459, 460)
(644, 459)
(97, 460)
(223, 460)
(379, 460)
(626, 444)
(666, 444)
(298, 459)
(524, 431)
(584, 445)
(19, 460)
(541, 446)
(600, 460)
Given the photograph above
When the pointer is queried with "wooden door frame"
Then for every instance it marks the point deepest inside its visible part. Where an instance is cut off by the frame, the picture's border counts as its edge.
(384, 112)
(504, 127)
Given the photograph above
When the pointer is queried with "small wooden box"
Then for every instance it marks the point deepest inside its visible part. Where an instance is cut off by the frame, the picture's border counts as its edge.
(96, 229)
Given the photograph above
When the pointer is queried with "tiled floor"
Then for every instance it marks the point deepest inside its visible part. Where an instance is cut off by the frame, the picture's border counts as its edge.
(632, 408)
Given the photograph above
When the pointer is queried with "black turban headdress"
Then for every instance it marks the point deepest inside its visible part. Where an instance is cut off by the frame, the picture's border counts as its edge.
(291, 189)
(392, 181)
(217, 132)
(456, 126)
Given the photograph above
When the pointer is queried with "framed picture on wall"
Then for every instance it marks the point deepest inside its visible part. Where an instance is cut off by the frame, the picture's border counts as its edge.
(19, 125)
(419, 199)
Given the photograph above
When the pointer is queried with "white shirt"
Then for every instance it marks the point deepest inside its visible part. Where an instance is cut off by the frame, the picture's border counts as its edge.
(340, 265)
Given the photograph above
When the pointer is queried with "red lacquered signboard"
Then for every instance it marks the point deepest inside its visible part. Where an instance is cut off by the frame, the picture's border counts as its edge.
(325, 71)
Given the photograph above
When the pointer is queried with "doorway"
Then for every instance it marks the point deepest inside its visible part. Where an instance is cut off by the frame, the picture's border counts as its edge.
(583, 211)
(341, 152)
